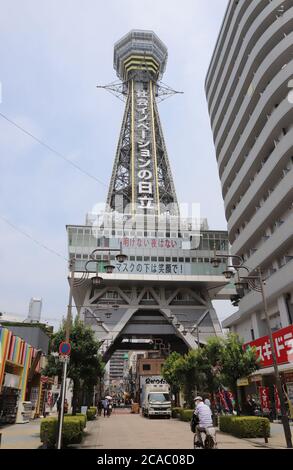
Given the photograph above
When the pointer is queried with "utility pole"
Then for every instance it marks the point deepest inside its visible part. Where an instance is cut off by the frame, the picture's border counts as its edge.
(66, 358)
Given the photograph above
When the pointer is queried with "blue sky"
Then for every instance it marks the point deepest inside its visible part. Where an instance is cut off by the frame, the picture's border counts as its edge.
(53, 54)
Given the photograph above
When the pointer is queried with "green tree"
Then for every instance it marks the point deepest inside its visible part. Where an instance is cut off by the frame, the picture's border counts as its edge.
(193, 377)
(170, 372)
(236, 362)
(183, 372)
(209, 364)
(85, 366)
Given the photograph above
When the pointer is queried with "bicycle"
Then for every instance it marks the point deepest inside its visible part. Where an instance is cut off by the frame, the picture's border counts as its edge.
(208, 435)
(208, 439)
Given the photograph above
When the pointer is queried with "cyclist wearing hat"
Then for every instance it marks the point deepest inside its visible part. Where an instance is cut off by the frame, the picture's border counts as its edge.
(204, 415)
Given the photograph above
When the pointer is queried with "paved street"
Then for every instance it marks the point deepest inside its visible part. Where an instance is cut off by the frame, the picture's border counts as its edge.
(128, 431)
(124, 430)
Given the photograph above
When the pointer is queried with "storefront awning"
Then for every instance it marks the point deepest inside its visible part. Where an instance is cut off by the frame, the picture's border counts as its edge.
(270, 370)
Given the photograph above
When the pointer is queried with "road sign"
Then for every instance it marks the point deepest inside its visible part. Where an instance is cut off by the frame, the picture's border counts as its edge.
(64, 349)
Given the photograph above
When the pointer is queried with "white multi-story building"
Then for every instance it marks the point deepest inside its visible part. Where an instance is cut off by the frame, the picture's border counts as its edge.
(248, 93)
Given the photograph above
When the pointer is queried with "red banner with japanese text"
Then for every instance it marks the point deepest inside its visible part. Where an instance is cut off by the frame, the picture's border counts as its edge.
(277, 401)
(283, 340)
(264, 399)
(222, 400)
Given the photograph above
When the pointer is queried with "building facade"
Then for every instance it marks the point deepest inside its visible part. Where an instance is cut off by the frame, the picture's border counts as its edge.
(117, 366)
(20, 379)
(148, 368)
(251, 113)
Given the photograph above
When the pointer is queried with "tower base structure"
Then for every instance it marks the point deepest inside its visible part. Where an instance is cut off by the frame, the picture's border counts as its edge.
(160, 297)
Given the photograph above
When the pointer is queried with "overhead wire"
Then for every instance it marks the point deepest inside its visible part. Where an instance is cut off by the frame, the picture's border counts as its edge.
(42, 245)
(51, 149)
(63, 157)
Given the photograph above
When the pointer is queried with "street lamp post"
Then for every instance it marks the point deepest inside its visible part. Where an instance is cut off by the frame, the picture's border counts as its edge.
(250, 281)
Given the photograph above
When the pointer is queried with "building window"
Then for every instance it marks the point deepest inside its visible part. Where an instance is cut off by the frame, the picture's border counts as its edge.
(252, 334)
(146, 367)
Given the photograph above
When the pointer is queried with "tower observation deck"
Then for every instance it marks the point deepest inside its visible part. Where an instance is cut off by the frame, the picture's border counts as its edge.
(163, 291)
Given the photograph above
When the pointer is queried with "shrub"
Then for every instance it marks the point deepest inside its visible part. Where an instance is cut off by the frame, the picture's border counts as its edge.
(225, 423)
(72, 430)
(48, 431)
(245, 426)
(186, 415)
(91, 413)
(83, 418)
(176, 412)
(80, 417)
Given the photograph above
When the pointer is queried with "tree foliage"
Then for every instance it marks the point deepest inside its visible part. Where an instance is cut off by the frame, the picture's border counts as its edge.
(85, 366)
(237, 362)
(220, 361)
(171, 368)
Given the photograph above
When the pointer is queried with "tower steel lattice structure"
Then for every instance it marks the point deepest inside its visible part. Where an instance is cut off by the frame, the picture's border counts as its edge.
(141, 179)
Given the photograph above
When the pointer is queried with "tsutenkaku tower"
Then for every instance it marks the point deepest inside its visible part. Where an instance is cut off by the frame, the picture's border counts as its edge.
(141, 180)
(160, 296)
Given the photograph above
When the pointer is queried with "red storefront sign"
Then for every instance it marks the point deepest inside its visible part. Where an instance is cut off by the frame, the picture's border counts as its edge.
(283, 340)
(264, 399)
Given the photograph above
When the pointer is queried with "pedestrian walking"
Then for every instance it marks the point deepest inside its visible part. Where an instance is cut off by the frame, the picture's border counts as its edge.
(65, 406)
(59, 404)
(100, 407)
(105, 406)
(109, 410)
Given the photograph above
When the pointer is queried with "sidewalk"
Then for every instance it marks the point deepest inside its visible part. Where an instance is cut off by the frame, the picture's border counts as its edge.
(21, 436)
(277, 439)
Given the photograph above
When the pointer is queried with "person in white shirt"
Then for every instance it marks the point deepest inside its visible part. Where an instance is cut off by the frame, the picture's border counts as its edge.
(204, 415)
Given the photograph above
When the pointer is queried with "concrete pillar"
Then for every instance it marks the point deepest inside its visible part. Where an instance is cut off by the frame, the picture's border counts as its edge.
(283, 311)
(216, 323)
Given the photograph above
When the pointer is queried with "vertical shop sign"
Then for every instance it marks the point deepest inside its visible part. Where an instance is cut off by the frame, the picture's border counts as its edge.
(277, 401)
(264, 399)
